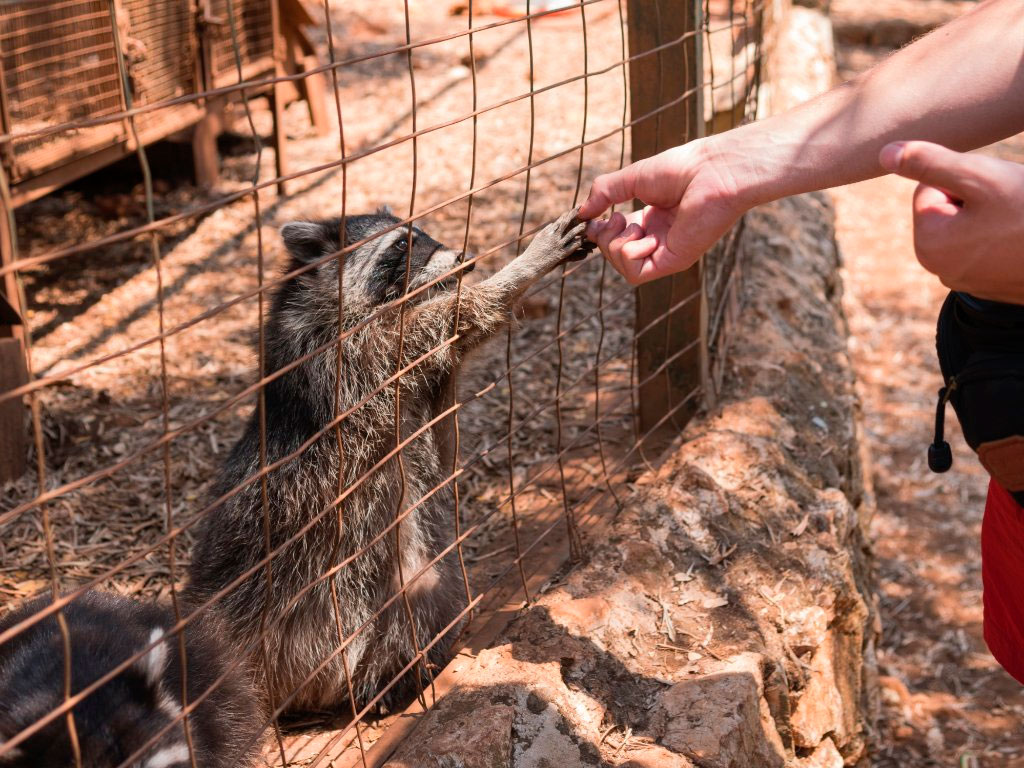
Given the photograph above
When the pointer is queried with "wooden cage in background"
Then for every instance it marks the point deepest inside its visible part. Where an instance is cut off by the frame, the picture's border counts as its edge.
(59, 67)
(69, 67)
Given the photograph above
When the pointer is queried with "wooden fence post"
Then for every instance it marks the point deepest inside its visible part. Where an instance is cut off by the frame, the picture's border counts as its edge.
(13, 372)
(668, 378)
(277, 99)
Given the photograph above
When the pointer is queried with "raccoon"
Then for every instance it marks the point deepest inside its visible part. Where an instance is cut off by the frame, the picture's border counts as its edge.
(121, 716)
(300, 403)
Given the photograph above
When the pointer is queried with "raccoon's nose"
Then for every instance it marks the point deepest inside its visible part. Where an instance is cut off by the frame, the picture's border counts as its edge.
(471, 265)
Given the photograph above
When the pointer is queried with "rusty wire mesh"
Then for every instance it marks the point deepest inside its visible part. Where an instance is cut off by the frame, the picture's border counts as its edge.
(134, 400)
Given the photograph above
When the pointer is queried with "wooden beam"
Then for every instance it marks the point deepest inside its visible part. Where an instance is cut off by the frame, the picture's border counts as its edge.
(13, 370)
(13, 315)
(205, 157)
(13, 436)
(654, 81)
(301, 57)
(314, 88)
(278, 98)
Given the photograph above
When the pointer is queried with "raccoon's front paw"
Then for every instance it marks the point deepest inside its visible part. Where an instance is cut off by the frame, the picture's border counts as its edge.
(562, 240)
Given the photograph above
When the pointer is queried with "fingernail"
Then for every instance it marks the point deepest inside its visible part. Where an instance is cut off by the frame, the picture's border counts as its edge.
(891, 155)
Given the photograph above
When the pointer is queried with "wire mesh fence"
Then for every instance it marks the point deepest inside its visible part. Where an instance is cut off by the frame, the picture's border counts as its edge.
(277, 476)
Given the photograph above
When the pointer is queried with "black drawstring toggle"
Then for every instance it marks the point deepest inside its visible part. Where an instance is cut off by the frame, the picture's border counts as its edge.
(940, 455)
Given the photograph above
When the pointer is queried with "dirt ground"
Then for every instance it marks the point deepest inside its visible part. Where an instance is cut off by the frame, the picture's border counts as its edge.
(946, 701)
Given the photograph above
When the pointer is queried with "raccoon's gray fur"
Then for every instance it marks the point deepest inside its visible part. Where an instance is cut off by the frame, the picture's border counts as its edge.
(304, 316)
(122, 715)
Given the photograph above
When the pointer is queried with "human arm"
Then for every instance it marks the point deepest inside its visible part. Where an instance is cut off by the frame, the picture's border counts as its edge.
(961, 86)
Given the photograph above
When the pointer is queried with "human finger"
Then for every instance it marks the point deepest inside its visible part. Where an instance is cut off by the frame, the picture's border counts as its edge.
(626, 267)
(608, 230)
(929, 200)
(961, 175)
(609, 189)
(937, 237)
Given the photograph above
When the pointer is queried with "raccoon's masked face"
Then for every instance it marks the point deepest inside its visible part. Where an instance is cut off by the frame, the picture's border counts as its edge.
(381, 270)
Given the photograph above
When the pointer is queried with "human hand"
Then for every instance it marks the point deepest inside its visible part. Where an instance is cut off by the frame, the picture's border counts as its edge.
(968, 225)
(691, 199)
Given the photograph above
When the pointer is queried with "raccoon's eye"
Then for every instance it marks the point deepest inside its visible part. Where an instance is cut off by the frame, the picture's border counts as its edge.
(402, 245)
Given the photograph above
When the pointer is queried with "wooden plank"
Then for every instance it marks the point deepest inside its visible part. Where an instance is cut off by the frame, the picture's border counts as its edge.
(296, 13)
(13, 370)
(71, 168)
(655, 80)
(13, 436)
(9, 326)
(315, 91)
(278, 98)
(313, 87)
(251, 70)
(205, 157)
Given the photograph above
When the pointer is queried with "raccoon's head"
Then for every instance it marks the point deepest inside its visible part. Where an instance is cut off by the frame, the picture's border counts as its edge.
(375, 272)
(111, 724)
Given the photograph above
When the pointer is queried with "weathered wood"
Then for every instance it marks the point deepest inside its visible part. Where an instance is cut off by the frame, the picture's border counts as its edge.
(13, 371)
(12, 313)
(204, 146)
(313, 87)
(27, 188)
(13, 436)
(654, 81)
(278, 99)
(315, 92)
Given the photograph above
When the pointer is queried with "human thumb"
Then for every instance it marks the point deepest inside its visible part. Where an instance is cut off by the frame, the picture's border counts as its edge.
(954, 172)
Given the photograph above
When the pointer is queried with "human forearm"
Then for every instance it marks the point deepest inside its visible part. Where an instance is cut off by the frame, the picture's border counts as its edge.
(961, 86)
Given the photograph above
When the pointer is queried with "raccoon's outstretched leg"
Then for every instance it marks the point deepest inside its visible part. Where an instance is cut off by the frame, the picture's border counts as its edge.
(562, 240)
(486, 307)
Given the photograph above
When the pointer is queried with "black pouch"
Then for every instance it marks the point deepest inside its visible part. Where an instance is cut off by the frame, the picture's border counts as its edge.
(981, 354)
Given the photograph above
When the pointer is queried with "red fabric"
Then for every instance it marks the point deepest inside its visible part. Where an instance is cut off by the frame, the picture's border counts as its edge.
(1002, 572)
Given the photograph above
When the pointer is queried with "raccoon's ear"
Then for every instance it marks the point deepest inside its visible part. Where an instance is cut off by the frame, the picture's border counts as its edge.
(309, 240)
(384, 210)
(153, 663)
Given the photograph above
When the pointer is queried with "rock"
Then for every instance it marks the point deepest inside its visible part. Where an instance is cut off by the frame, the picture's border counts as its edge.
(825, 756)
(446, 743)
(721, 719)
(891, 23)
(807, 629)
(545, 739)
(820, 707)
(580, 617)
(654, 756)
(642, 561)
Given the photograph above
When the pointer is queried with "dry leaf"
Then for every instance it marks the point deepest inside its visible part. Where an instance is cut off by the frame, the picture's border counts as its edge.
(715, 602)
